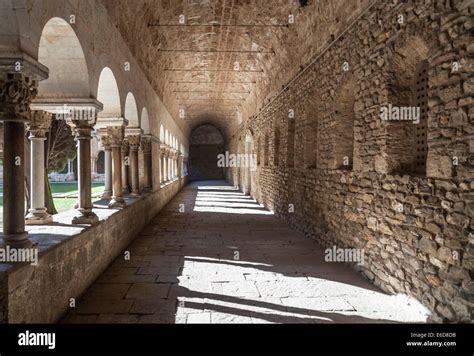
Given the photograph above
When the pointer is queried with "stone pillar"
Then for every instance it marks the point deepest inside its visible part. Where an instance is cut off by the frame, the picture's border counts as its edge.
(115, 135)
(163, 168)
(83, 129)
(16, 93)
(125, 163)
(38, 126)
(134, 144)
(146, 149)
(69, 166)
(168, 163)
(107, 194)
(180, 164)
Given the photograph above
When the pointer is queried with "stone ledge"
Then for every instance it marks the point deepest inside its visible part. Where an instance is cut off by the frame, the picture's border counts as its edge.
(72, 257)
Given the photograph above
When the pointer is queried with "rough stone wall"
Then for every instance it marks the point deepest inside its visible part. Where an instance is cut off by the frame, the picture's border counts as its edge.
(415, 229)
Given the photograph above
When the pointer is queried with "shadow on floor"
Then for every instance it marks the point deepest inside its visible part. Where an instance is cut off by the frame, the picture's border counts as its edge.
(215, 255)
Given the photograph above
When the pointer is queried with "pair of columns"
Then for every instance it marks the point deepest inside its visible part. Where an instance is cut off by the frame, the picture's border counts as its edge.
(116, 146)
(166, 163)
(16, 94)
(169, 163)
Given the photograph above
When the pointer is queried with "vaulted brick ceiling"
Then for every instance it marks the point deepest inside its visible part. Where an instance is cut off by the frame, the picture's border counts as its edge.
(192, 66)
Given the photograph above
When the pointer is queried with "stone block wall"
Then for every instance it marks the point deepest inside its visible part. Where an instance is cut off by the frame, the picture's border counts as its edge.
(71, 258)
(351, 176)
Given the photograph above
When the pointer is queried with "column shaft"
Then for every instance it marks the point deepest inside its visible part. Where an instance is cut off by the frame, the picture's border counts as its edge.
(134, 170)
(125, 159)
(147, 165)
(85, 213)
(38, 212)
(14, 185)
(117, 198)
(108, 174)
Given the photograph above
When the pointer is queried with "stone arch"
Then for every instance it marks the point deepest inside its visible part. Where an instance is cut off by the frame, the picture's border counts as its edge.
(108, 94)
(408, 73)
(131, 111)
(101, 162)
(162, 134)
(145, 122)
(61, 51)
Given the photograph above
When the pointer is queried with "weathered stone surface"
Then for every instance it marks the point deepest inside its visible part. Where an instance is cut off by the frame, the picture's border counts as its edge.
(266, 284)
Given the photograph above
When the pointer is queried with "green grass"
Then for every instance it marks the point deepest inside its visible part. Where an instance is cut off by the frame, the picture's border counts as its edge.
(63, 204)
(71, 187)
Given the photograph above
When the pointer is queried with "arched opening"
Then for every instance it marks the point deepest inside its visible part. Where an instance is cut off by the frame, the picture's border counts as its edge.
(145, 122)
(131, 111)
(101, 163)
(206, 144)
(108, 94)
(61, 51)
(162, 134)
(406, 114)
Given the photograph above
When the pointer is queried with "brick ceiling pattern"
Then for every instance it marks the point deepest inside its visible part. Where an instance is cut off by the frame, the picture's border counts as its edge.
(218, 60)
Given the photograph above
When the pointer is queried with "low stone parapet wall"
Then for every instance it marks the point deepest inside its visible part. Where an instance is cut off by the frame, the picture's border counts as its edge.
(72, 257)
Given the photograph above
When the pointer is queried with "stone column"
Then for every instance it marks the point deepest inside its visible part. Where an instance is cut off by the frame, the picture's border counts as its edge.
(115, 138)
(163, 168)
(134, 143)
(107, 194)
(16, 93)
(38, 126)
(125, 163)
(180, 164)
(83, 129)
(146, 149)
(168, 165)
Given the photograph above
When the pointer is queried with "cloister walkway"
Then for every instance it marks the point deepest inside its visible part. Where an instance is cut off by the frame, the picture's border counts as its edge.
(214, 255)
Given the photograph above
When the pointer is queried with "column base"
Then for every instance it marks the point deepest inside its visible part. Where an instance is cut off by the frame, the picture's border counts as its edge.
(38, 217)
(107, 194)
(85, 217)
(20, 240)
(135, 194)
(117, 203)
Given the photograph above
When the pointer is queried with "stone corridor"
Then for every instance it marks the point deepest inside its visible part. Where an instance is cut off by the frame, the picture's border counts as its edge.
(214, 255)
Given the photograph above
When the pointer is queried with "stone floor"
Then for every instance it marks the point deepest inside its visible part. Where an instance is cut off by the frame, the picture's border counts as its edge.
(225, 259)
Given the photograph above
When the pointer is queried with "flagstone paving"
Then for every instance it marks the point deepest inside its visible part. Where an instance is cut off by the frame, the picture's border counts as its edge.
(214, 255)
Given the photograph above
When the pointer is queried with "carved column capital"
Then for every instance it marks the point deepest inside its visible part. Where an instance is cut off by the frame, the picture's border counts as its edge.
(115, 136)
(82, 126)
(104, 139)
(134, 142)
(40, 123)
(146, 145)
(125, 146)
(163, 148)
(16, 93)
